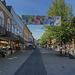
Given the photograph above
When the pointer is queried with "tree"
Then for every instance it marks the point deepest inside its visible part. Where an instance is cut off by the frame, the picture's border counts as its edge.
(71, 28)
(43, 39)
(60, 8)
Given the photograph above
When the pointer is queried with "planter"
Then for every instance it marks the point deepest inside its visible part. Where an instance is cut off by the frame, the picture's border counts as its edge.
(71, 56)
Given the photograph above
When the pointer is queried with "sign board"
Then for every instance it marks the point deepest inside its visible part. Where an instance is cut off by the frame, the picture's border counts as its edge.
(41, 20)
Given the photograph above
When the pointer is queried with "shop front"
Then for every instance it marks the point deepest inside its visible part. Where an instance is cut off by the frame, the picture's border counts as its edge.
(8, 43)
(4, 48)
(3, 44)
(21, 43)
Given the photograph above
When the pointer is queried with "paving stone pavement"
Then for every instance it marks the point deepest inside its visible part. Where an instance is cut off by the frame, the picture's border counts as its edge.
(56, 64)
(33, 65)
(38, 62)
(10, 64)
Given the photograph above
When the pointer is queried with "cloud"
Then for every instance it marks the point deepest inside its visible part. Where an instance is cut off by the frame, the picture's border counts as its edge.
(37, 34)
(39, 30)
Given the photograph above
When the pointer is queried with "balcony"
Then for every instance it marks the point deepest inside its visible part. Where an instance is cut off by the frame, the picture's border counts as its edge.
(2, 30)
(11, 36)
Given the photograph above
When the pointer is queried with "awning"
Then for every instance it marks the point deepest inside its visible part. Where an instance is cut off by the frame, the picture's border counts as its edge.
(29, 44)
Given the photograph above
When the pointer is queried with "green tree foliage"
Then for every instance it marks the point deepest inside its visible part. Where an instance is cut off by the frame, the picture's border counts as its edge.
(62, 33)
(71, 28)
(43, 39)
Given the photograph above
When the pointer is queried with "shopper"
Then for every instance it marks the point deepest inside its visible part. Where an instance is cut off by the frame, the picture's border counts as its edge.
(60, 49)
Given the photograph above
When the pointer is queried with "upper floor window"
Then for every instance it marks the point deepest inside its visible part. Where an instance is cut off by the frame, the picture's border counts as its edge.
(0, 21)
(18, 31)
(15, 29)
(1, 18)
(12, 27)
(8, 27)
(8, 24)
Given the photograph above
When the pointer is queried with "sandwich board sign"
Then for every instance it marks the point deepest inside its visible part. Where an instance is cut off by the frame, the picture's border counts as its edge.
(41, 20)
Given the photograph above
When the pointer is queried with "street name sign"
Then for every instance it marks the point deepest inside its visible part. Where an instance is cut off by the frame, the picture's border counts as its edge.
(41, 20)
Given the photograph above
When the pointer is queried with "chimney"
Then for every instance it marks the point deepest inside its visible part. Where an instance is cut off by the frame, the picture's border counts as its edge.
(4, 2)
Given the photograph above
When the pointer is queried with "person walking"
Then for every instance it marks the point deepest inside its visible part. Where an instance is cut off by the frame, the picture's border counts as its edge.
(65, 50)
(60, 49)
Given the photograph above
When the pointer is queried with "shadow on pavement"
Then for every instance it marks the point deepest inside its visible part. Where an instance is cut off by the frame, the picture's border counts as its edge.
(62, 55)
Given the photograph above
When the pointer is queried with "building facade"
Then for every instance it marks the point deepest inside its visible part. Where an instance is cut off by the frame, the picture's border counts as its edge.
(26, 36)
(17, 27)
(11, 30)
(5, 27)
(13, 33)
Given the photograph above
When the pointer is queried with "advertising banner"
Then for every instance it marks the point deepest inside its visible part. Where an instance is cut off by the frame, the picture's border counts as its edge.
(41, 20)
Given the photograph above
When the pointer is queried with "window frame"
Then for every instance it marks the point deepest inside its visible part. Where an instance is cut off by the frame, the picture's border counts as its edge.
(8, 27)
(1, 20)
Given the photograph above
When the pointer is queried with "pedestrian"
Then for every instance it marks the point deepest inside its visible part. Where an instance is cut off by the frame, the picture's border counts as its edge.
(60, 49)
(47, 47)
(65, 50)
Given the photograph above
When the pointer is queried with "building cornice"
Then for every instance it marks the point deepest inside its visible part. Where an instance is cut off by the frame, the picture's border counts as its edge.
(17, 16)
(27, 29)
(5, 9)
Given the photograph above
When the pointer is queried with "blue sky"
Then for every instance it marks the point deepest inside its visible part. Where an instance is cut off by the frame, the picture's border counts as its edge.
(36, 30)
(34, 7)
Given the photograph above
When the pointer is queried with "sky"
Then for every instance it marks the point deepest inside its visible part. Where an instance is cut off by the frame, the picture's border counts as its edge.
(34, 7)
(36, 31)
